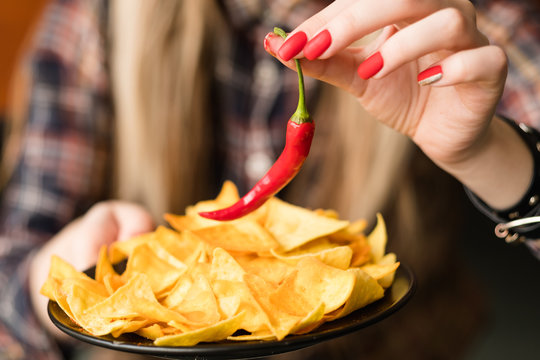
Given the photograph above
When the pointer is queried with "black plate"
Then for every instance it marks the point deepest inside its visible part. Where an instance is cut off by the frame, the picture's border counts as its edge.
(395, 297)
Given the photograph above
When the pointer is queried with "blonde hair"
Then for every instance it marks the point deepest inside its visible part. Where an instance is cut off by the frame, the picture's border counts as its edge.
(160, 83)
(159, 86)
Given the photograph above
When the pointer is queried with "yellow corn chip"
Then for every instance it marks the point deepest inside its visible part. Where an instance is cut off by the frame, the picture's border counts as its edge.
(293, 226)
(219, 331)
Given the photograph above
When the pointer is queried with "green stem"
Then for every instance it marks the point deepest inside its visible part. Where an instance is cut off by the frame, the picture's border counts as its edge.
(301, 114)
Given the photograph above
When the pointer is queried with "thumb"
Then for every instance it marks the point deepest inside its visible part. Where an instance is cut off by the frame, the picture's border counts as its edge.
(114, 220)
(130, 219)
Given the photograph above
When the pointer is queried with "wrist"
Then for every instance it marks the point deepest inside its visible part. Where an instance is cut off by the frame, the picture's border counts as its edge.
(498, 168)
(521, 220)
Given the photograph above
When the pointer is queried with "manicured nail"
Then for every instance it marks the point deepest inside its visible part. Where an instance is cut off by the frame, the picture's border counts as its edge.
(267, 42)
(430, 75)
(292, 45)
(316, 46)
(371, 66)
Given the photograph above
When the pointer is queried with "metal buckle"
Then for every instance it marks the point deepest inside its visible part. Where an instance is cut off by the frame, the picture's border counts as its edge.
(502, 230)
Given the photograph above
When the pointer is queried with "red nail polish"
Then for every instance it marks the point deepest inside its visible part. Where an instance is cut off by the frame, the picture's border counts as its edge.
(371, 66)
(316, 46)
(292, 45)
(430, 75)
(267, 43)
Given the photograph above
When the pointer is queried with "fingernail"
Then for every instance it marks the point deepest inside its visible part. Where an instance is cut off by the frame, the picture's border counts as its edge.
(292, 45)
(371, 66)
(267, 43)
(430, 75)
(316, 46)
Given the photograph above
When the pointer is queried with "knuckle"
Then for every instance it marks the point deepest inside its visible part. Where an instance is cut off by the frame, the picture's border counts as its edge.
(317, 21)
(456, 26)
(416, 7)
(351, 19)
(406, 6)
(101, 207)
(498, 57)
(469, 9)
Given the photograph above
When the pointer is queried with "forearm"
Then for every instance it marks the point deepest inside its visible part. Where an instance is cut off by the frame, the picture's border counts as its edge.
(500, 169)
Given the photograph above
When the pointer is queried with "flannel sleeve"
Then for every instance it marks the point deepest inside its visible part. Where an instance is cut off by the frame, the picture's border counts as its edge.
(60, 167)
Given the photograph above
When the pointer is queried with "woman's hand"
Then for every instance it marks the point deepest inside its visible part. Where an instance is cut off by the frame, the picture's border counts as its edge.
(80, 241)
(444, 119)
(431, 42)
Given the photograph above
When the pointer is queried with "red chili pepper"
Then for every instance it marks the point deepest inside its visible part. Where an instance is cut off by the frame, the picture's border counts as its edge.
(300, 130)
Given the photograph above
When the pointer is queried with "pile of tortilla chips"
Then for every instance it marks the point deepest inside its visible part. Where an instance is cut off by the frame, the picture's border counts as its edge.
(277, 271)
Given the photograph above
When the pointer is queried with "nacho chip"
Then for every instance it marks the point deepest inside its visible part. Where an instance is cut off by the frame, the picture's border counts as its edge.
(293, 226)
(388, 279)
(162, 270)
(119, 250)
(323, 283)
(192, 296)
(219, 331)
(366, 290)
(271, 269)
(105, 272)
(192, 221)
(281, 322)
(242, 237)
(61, 270)
(361, 250)
(311, 321)
(129, 327)
(336, 256)
(112, 282)
(136, 300)
(234, 297)
(289, 297)
(151, 332)
(379, 271)
(80, 300)
(377, 239)
(225, 267)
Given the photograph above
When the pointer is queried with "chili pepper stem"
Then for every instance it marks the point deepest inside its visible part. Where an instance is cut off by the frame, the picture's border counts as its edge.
(301, 114)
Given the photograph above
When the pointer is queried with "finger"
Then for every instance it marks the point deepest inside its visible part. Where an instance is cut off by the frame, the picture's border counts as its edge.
(359, 19)
(339, 71)
(455, 31)
(131, 219)
(485, 65)
(118, 220)
(297, 39)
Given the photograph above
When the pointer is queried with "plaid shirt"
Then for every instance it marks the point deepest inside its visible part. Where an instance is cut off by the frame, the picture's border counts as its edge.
(66, 141)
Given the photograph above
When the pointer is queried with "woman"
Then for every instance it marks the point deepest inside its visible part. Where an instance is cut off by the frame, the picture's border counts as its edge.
(157, 102)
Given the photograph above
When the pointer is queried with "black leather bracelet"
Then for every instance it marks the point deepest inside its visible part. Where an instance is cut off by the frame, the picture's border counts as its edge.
(518, 222)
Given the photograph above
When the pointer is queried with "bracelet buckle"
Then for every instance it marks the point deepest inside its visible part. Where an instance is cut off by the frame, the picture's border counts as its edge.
(502, 230)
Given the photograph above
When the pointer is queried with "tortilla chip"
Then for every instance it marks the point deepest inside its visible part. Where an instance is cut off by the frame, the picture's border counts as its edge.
(243, 237)
(219, 331)
(61, 270)
(366, 290)
(293, 226)
(377, 239)
(161, 269)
